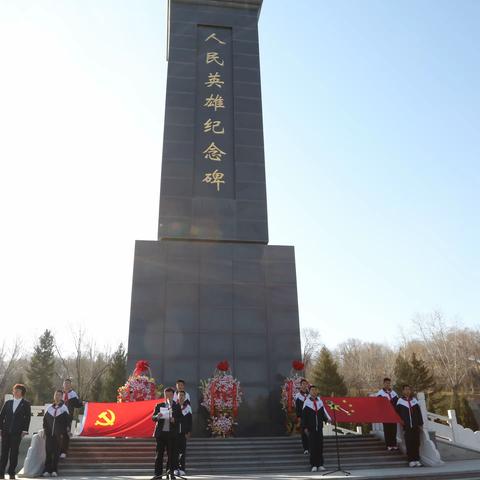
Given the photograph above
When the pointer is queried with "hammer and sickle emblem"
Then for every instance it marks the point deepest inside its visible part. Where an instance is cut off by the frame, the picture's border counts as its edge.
(106, 419)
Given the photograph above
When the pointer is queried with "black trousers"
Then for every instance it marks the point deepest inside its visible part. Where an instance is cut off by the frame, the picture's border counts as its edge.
(66, 439)
(390, 433)
(165, 442)
(304, 437)
(412, 442)
(315, 442)
(10, 446)
(180, 451)
(53, 446)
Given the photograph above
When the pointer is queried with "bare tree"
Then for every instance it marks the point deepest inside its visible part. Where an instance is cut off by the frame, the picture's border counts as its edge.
(311, 345)
(8, 364)
(86, 365)
(364, 364)
(449, 349)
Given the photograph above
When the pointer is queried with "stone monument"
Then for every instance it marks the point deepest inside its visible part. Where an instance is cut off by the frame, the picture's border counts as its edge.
(211, 288)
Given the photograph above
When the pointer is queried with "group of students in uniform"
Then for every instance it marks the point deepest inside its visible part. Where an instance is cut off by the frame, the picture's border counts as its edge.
(173, 418)
(312, 414)
(57, 421)
(409, 411)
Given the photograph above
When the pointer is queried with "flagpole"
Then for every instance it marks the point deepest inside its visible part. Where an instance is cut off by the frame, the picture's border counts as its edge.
(337, 446)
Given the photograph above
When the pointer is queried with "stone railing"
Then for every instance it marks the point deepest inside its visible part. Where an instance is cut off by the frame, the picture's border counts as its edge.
(329, 429)
(447, 428)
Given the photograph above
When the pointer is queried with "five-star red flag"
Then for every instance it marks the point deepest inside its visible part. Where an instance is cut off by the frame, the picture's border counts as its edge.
(129, 419)
(361, 409)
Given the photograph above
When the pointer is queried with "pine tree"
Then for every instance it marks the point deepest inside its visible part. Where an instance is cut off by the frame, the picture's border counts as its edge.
(326, 377)
(403, 373)
(40, 371)
(116, 374)
(422, 380)
(97, 390)
(414, 373)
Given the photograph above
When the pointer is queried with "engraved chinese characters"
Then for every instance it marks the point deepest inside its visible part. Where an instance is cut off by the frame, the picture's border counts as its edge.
(214, 152)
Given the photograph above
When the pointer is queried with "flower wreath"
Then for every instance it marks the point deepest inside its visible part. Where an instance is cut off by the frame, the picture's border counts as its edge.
(139, 386)
(222, 396)
(290, 387)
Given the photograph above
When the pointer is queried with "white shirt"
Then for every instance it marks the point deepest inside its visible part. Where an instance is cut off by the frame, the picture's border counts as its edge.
(166, 420)
(16, 403)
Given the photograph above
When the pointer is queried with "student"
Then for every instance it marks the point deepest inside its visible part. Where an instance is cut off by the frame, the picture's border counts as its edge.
(389, 429)
(300, 398)
(183, 428)
(14, 423)
(71, 400)
(313, 416)
(56, 426)
(409, 410)
(180, 387)
(166, 414)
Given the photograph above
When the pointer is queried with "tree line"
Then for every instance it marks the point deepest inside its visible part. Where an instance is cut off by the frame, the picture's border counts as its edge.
(96, 374)
(438, 357)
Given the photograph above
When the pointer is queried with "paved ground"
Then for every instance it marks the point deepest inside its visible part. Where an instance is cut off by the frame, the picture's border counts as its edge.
(452, 470)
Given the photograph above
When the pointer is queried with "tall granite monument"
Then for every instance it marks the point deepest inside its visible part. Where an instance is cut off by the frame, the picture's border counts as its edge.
(211, 288)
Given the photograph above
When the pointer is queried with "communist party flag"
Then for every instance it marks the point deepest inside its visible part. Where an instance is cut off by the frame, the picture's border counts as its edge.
(128, 419)
(361, 409)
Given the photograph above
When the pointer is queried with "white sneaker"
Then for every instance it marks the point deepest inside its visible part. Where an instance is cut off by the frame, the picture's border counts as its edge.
(412, 464)
(45, 474)
(321, 468)
(306, 452)
(54, 474)
(176, 472)
(182, 473)
(314, 469)
(63, 455)
(418, 464)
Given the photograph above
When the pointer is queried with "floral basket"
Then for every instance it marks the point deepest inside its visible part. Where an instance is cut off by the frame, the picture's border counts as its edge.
(222, 396)
(139, 386)
(290, 387)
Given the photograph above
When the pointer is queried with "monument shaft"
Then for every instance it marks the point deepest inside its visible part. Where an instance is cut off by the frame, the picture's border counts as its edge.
(211, 288)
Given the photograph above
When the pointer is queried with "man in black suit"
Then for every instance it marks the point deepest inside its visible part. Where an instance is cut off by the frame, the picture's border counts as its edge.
(14, 423)
(166, 414)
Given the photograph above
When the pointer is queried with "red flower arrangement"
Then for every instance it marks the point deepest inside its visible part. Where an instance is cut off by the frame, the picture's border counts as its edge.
(223, 366)
(222, 396)
(290, 388)
(298, 365)
(139, 386)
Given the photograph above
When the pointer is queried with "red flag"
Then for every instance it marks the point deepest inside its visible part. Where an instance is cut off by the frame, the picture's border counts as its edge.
(129, 419)
(361, 409)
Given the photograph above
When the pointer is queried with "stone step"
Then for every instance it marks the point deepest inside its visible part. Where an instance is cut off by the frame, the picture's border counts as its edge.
(213, 458)
(110, 456)
(371, 450)
(222, 470)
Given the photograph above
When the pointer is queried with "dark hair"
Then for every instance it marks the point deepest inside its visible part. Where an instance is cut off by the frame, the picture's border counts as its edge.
(303, 380)
(21, 387)
(406, 385)
(169, 389)
(67, 380)
(180, 381)
(386, 379)
(311, 386)
(59, 391)
(181, 392)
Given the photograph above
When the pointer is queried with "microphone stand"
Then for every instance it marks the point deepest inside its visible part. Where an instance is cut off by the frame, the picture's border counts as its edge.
(337, 446)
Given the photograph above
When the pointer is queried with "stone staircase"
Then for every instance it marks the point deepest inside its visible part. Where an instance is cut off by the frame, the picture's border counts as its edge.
(210, 456)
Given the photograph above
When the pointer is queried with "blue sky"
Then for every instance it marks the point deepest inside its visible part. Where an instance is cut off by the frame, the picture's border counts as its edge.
(371, 118)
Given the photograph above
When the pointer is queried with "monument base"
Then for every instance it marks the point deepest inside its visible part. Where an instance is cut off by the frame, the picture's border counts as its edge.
(197, 303)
